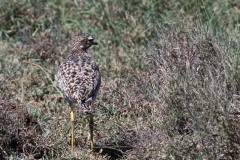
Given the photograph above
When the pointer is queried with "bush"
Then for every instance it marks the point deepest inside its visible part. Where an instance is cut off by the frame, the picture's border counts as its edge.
(195, 74)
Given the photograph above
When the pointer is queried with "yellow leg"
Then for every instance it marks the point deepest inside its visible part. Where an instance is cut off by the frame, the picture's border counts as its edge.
(72, 126)
(91, 131)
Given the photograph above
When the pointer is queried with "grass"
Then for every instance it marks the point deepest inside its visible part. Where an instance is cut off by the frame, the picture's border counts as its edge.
(170, 72)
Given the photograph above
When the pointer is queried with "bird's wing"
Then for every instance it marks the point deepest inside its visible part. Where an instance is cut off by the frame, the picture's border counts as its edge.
(79, 79)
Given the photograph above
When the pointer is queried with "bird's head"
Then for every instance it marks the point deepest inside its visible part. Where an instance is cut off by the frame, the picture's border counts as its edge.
(81, 42)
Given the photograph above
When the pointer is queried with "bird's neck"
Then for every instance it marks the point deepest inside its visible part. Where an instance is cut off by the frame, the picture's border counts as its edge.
(79, 52)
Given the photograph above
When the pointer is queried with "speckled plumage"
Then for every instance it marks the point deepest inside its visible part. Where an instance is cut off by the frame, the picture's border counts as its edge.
(78, 75)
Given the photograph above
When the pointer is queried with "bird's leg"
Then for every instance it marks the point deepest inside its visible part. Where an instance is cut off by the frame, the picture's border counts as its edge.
(72, 127)
(91, 130)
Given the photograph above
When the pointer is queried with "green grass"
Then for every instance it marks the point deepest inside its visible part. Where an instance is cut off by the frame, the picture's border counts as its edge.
(170, 78)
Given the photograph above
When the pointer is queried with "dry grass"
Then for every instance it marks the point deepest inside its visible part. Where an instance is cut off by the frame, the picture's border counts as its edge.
(170, 79)
(194, 78)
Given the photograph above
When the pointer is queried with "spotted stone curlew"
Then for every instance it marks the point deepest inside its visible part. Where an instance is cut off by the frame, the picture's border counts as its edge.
(79, 79)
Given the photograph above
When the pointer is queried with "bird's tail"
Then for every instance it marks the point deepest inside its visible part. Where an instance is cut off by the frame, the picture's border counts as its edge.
(86, 106)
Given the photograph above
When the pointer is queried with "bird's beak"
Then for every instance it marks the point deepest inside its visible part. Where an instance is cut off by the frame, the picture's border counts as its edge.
(94, 43)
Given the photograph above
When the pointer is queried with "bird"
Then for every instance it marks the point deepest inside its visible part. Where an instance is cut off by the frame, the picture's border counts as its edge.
(79, 79)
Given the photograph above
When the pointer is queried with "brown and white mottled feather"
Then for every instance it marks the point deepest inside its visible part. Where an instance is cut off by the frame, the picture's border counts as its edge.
(78, 75)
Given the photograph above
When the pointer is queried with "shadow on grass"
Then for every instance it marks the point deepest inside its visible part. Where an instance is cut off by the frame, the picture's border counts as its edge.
(113, 151)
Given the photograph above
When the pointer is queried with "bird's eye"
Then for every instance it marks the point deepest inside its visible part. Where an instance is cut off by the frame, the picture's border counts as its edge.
(88, 41)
